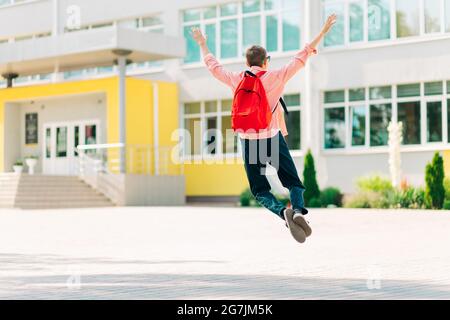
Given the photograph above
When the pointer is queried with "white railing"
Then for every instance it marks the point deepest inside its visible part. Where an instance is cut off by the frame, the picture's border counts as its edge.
(100, 166)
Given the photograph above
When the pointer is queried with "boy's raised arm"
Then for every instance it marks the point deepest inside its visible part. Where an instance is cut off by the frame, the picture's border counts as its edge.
(299, 60)
(214, 66)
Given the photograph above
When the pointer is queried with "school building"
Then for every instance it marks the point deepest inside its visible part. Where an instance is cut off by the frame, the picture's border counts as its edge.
(119, 79)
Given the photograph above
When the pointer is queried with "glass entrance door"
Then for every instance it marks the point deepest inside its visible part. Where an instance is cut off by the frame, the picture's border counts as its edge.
(60, 143)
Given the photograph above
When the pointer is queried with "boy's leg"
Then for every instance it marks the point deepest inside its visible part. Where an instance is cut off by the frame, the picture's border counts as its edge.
(259, 185)
(288, 174)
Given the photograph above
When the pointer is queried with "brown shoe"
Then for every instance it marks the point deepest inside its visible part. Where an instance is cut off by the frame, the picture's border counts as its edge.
(300, 220)
(296, 231)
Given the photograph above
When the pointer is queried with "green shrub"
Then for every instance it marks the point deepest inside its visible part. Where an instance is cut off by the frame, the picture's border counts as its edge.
(246, 198)
(434, 178)
(374, 191)
(315, 203)
(375, 183)
(331, 197)
(447, 205)
(309, 180)
(411, 198)
(447, 188)
(363, 200)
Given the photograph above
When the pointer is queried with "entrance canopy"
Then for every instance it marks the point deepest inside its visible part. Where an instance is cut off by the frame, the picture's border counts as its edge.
(84, 49)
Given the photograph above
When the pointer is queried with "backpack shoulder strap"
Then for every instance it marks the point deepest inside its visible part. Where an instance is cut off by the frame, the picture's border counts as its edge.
(249, 73)
(283, 104)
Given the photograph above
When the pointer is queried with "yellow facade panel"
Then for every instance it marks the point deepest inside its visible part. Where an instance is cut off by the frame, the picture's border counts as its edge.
(215, 180)
(447, 163)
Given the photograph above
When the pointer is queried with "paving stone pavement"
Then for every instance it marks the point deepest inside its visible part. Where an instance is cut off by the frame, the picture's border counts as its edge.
(222, 253)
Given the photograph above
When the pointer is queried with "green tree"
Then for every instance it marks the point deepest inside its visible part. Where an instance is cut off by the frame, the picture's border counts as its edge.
(434, 178)
(312, 193)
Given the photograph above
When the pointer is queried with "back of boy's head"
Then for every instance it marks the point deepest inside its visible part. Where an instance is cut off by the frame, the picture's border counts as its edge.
(256, 56)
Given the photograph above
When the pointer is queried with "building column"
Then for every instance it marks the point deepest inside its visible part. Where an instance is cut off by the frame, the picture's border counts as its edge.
(122, 68)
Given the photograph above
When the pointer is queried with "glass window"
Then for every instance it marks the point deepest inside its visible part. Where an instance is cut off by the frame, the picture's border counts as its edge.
(378, 93)
(448, 87)
(272, 33)
(447, 15)
(380, 116)
(293, 121)
(227, 105)
(292, 100)
(229, 35)
(358, 116)
(151, 21)
(408, 22)
(193, 127)
(61, 142)
(271, 4)
(334, 128)
(433, 88)
(210, 13)
(379, 19)
(90, 137)
(76, 139)
(108, 69)
(48, 143)
(336, 36)
(291, 30)
(434, 121)
(251, 6)
(356, 17)
(409, 114)
(432, 16)
(211, 106)
(191, 108)
(228, 9)
(334, 96)
(230, 142)
(191, 15)
(293, 124)
(193, 50)
(251, 31)
(211, 135)
(210, 30)
(408, 90)
(357, 94)
(448, 120)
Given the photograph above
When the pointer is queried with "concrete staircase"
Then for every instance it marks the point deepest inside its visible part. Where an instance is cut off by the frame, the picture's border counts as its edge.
(48, 192)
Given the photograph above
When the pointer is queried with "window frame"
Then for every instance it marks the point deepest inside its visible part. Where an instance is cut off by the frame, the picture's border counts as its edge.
(263, 13)
(394, 39)
(299, 151)
(394, 101)
(203, 115)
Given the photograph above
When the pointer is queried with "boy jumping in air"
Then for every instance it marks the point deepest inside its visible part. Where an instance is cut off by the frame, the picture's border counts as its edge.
(269, 145)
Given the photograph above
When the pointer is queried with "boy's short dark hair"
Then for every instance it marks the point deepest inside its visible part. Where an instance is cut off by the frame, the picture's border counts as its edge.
(256, 55)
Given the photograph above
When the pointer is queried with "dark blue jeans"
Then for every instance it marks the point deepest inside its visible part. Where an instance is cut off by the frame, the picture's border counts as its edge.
(257, 154)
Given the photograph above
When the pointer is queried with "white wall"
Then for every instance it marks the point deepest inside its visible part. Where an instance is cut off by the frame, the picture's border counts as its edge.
(26, 18)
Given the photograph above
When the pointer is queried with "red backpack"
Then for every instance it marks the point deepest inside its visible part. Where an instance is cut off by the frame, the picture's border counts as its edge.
(251, 110)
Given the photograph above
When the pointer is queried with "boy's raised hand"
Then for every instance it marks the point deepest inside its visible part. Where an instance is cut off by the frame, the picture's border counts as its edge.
(331, 21)
(198, 36)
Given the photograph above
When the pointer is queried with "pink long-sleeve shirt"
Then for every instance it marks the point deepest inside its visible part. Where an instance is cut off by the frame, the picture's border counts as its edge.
(273, 81)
